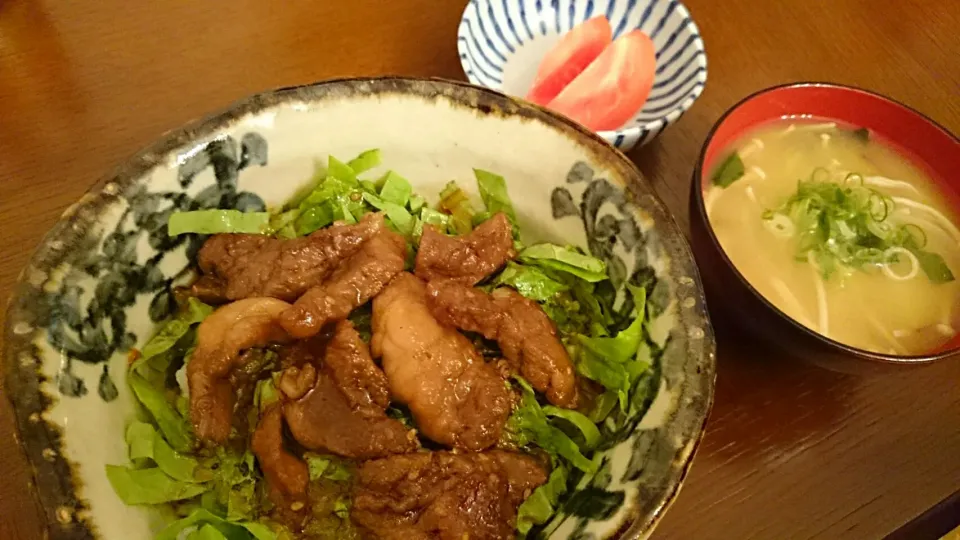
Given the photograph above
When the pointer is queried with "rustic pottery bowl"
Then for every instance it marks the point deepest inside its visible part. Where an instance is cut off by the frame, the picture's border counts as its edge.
(928, 144)
(501, 43)
(101, 279)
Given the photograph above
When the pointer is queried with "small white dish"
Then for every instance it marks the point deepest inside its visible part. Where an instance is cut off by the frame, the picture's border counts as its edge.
(501, 42)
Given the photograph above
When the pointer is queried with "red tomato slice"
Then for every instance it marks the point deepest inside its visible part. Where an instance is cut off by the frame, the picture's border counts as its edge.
(614, 87)
(570, 56)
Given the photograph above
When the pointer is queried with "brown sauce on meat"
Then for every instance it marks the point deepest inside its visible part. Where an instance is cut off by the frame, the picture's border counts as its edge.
(284, 311)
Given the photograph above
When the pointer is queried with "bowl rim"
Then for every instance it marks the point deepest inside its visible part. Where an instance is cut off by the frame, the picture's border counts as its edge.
(57, 491)
(670, 116)
(697, 193)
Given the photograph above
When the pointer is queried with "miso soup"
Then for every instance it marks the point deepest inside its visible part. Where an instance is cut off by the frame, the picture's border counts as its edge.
(842, 233)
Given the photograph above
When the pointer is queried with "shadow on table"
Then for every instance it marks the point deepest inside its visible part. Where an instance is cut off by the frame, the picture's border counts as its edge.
(768, 404)
(647, 159)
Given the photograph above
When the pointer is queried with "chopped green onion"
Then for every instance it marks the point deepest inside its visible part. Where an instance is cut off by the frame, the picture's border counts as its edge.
(820, 175)
(847, 224)
(854, 178)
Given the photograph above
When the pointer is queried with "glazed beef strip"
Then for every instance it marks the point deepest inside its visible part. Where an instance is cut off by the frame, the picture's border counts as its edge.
(221, 338)
(526, 335)
(468, 258)
(446, 496)
(456, 398)
(338, 406)
(236, 266)
(355, 281)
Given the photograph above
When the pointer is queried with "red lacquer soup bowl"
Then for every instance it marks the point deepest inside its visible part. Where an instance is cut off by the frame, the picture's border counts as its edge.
(926, 144)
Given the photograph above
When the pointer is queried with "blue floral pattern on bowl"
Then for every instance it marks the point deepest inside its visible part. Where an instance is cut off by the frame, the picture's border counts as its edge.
(103, 276)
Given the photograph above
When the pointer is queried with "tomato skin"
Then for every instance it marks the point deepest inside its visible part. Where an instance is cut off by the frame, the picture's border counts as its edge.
(569, 57)
(614, 87)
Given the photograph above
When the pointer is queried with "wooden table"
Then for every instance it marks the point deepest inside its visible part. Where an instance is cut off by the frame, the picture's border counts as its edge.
(790, 452)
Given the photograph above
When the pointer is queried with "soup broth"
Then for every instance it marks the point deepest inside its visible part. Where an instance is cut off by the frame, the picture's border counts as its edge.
(841, 233)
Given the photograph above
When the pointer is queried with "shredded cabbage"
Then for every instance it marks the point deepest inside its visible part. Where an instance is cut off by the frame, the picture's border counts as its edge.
(217, 221)
(607, 346)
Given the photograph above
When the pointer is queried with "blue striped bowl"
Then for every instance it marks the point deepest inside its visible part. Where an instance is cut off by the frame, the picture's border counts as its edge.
(501, 43)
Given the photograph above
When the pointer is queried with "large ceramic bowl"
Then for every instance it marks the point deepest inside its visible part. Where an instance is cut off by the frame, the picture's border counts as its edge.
(101, 279)
(501, 44)
(927, 144)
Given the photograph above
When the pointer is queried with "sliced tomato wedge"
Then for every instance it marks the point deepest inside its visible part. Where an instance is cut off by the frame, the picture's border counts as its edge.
(613, 87)
(569, 57)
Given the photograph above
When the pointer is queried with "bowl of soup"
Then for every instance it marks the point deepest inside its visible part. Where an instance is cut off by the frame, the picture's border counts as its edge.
(826, 219)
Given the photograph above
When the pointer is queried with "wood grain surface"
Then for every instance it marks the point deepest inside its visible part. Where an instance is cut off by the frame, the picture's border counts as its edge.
(791, 451)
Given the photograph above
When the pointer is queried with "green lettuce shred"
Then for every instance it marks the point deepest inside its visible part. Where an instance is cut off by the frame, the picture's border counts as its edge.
(218, 221)
(312, 219)
(234, 483)
(265, 394)
(614, 362)
(150, 486)
(139, 437)
(367, 160)
(221, 487)
(338, 196)
(154, 358)
(200, 518)
(416, 203)
(543, 502)
(341, 507)
(206, 532)
(565, 259)
(429, 216)
(341, 171)
(589, 430)
(175, 464)
(368, 186)
(530, 281)
(395, 189)
(329, 467)
(396, 214)
(493, 192)
(529, 424)
(146, 444)
(603, 405)
(175, 428)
